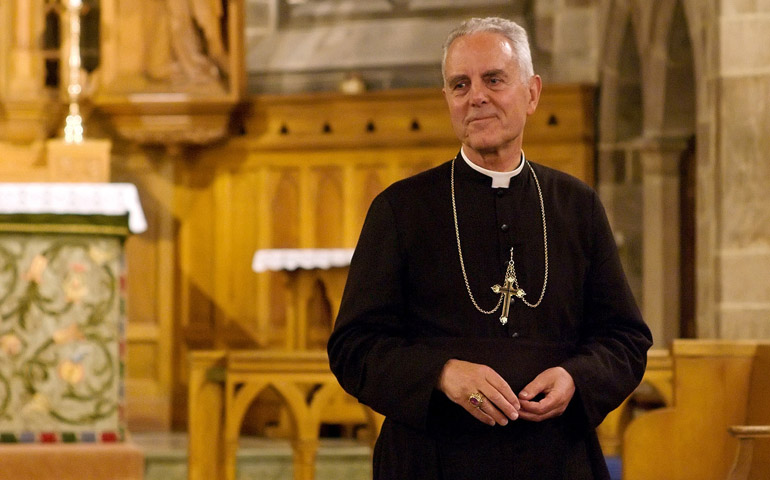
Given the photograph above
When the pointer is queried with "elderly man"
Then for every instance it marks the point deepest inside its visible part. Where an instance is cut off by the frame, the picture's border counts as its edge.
(486, 313)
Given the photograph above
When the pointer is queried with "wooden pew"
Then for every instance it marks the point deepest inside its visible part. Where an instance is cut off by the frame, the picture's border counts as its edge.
(744, 459)
(658, 377)
(717, 384)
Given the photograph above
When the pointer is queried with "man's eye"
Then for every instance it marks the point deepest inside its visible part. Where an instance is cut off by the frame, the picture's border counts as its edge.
(459, 86)
(494, 81)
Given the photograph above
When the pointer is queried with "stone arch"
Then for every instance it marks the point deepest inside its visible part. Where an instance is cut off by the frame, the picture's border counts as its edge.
(669, 121)
(647, 113)
(619, 128)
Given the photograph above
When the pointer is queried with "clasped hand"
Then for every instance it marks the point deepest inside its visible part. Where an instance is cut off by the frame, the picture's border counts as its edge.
(459, 379)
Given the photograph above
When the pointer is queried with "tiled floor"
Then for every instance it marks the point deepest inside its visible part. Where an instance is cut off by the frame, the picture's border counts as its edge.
(267, 459)
(258, 458)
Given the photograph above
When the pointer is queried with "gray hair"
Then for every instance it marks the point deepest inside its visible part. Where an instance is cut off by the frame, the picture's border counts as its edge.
(511, 30)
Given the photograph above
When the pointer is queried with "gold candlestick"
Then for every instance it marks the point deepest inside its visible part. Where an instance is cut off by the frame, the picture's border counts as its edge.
(73, 129)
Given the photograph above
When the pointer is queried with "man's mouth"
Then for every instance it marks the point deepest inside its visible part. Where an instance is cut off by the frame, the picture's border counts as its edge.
(480, 119)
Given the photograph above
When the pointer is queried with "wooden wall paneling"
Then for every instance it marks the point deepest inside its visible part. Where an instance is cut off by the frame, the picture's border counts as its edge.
(230, 227)
(262, 307)
(319, 316)
(22, 163)
(286, 233)
(197, 240)
(150, 259)
(574, 158)
(220, 221)
(7, 22)
(285, 212)
(242, 239)
(351, 187)
(306, 194)
(329, 201)
(372, 183)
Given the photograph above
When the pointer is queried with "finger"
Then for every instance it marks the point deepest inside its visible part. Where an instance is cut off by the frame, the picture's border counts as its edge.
(533, 389)
(500, 403)
(501, 394)
(492, 411)
(536, 417)
(537, 412)
(548, 403)
(481, 415)
(488, 413)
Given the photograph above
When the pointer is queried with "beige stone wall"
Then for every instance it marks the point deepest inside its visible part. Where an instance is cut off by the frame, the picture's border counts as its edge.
(743, 209)
(568, 35)
(717, 87)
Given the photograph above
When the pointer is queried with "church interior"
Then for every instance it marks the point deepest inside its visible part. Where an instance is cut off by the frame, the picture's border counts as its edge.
(183, 181)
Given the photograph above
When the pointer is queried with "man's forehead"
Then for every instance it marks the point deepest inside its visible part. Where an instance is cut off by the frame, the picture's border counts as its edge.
(489, 50)
(482, 40)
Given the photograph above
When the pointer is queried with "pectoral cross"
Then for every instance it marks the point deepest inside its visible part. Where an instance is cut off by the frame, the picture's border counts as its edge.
(508, 290)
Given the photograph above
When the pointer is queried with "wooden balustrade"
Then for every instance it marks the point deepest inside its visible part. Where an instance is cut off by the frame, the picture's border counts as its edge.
(224, 384)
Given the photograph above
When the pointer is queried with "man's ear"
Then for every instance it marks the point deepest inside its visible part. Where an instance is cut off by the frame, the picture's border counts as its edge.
(535, 86)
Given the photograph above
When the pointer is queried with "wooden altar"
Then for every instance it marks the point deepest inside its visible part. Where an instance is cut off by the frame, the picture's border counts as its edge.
(62, 339)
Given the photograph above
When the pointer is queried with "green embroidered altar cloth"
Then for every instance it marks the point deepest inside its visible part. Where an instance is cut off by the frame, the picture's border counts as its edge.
(62, 321)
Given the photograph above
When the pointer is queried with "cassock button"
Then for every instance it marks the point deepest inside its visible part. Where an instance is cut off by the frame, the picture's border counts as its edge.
(514, 334)
(504, 227)
(500, 192)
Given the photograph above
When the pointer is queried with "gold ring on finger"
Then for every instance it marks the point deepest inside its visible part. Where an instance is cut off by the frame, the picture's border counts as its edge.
(476, 399)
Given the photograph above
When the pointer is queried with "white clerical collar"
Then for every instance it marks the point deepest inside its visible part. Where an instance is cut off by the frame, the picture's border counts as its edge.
(499, 179)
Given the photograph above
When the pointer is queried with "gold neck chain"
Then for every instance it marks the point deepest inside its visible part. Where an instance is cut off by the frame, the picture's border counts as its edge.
(510, 275)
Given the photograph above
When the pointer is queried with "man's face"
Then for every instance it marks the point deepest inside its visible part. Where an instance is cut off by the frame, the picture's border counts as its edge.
(488, 102)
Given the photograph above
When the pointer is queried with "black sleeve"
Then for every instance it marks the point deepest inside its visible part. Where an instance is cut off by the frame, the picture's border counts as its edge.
(369, 349)
(612, 355)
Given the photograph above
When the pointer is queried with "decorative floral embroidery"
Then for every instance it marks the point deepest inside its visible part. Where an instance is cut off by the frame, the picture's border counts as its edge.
(10, 344)
(60, 333)
(100, 256)
(67, 334)
(75, 287)
(71, 372)
(36, 269)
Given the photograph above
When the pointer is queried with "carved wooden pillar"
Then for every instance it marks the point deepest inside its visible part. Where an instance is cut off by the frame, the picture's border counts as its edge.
(26, 58)
(206, 414)
(27, 110)
(305, 453)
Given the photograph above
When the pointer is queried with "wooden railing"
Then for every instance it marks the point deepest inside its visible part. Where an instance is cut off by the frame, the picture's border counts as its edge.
(224, 384)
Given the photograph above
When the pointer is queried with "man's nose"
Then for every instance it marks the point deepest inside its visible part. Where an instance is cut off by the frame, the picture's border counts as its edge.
(478, 93)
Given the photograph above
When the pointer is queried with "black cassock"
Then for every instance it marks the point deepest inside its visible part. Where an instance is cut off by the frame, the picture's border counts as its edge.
(405, 312)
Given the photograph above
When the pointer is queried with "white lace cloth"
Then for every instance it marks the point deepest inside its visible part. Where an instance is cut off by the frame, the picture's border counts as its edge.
(74, 198)
(279, 259)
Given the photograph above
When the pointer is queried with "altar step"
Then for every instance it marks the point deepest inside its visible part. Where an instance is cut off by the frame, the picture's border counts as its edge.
(258, 458)
(268, 459)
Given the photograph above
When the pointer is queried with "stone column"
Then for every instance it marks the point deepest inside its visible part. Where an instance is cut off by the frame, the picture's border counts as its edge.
(575, 43)
(661, 239)
(743, 171)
